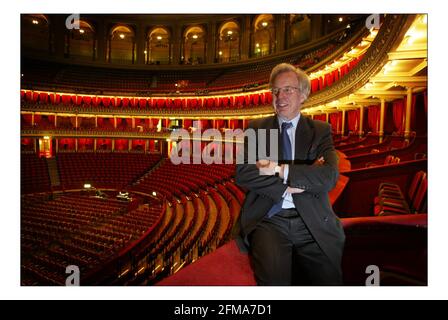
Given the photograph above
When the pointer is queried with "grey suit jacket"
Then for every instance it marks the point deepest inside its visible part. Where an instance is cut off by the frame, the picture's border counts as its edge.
(313, 140)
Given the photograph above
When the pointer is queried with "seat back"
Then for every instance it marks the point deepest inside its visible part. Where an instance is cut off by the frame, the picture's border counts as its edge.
(419, 201)
(389, 159)
(415, 184)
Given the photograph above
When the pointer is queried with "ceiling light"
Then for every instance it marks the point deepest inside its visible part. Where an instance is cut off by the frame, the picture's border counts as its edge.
(229, 32)
(81, 31)
(122, 36)
(35, 22)
(340, 19)
(159, 38)
(264, 24)
(195, 36)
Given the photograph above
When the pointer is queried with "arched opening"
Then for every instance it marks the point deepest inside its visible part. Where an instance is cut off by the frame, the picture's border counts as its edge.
(158, 46)
(81, 42)
(194, 45)
(121, 45)
(35, 32)
(263, 39)
(299, 29)
(229, 42)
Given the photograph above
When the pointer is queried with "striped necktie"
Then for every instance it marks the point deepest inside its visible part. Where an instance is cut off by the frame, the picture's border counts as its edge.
(287, 155)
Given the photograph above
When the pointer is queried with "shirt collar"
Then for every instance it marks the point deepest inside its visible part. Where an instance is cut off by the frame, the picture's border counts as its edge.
(294, 121)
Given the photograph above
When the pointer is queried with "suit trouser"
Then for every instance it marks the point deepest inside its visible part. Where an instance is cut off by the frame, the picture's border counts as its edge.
(284, 252)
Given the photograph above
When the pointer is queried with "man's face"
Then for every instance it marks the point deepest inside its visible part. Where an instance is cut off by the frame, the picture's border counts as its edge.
(288, 100)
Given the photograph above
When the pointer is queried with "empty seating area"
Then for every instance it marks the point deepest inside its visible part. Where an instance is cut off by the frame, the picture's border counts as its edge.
(173, 181)
(57, 231)
(113, 170)
(34, 176)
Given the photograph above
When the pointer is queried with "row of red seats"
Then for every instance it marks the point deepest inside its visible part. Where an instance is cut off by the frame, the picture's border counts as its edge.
(391, 200)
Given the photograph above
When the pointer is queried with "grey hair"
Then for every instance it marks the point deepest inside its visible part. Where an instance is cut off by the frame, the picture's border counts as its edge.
(302, 77)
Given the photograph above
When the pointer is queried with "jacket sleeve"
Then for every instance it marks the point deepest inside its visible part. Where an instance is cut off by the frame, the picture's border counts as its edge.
(317, 178)
(248, 176)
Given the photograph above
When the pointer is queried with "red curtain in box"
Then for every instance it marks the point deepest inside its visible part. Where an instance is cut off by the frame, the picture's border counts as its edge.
(353, 120)
(233, 124)
(138, 144)
(22, 95)
(247, 100)
(85, 144)
(268, 97)
(35, 96)
(160, 103)
(104, 144)
(155, 122)
(314, 85)
(240, 100)
(210, 103)
(25, 120)
(66, 99)
(256, 99)
(142, 103)
(54, 98)
(321, 117)
(178, 103)
(106, 101)
(152, 146)
(321, 83)
(43, 97)
(37, 118)
(121, 144)
(125, 102)
(373, 116)
(334, 121)
(87, 100)
(335, 75)
(187, 123)
(343, 70)
(96, 101)
(329, 79)
(66, 144)
(27, 143)
(139, 122)
(219, 123)
(398, 108)
(29, 95)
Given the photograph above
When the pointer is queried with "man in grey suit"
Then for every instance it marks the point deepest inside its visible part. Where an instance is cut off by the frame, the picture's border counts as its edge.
(287, 220)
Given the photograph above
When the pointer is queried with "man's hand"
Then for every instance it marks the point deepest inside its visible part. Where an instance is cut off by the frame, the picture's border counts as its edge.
(319, 162)
(266, 167)
(294, 190)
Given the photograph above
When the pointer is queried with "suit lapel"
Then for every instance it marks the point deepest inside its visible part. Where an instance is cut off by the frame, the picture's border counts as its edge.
(304, 138)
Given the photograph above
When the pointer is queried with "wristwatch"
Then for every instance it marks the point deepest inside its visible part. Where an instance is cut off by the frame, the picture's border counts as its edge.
(277, 171)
